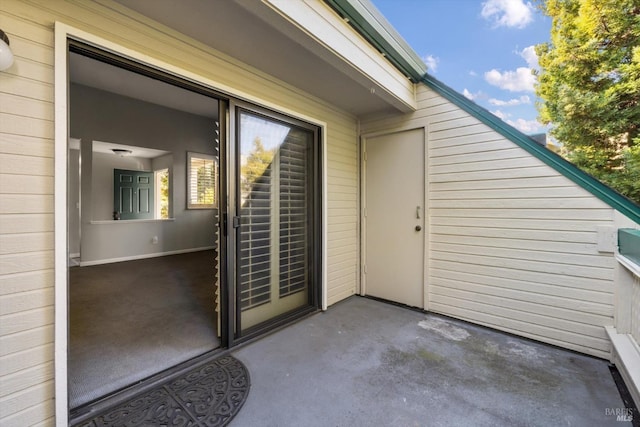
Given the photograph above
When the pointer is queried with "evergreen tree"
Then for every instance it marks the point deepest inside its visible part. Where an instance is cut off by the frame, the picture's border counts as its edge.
(589, 83)
(256, 165)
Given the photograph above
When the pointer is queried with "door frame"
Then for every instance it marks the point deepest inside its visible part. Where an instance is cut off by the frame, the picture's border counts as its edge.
(317, 294)
(62, 34)
(363, 206)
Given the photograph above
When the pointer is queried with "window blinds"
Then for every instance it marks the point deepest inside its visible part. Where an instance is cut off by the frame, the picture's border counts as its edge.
(275, 226)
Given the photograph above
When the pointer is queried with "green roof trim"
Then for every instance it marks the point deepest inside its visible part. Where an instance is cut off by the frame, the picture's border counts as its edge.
(373, 26)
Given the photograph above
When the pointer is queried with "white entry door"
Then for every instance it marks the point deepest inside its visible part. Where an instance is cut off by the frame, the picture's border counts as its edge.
(394, 226)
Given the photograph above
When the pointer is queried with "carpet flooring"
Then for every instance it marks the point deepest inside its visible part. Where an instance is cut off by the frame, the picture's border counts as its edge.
(133, 319)
(207, 396)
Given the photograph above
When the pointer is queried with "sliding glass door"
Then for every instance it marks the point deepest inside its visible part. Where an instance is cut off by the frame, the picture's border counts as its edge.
(276, 218)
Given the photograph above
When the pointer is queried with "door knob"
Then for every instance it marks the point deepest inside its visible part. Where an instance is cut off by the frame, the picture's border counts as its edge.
(418, 228)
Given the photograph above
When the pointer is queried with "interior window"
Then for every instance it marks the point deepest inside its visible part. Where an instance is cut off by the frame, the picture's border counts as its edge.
(162, 193)
(201, 179)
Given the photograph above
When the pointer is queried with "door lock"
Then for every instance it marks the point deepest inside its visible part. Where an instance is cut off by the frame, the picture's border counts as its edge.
(418, 228)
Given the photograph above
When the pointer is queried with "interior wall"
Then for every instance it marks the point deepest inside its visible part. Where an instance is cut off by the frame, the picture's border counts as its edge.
(513, 244)
(96, 115)
(73, 202)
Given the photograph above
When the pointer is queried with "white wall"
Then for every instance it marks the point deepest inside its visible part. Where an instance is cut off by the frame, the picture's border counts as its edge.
(27, 205)
(512, 242)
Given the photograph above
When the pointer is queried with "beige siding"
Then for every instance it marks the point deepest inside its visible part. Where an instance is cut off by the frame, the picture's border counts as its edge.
(26, 177)
(512, 242)
(26, 225)
(635, 309)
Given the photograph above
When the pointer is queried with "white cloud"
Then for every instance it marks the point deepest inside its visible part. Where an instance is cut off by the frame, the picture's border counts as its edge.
(471, 96)
(526, 126)
(508, 13)
(524, 99)
(432, 63)
(529, 55)
(473, 73)
(520, 80)
(500, 114)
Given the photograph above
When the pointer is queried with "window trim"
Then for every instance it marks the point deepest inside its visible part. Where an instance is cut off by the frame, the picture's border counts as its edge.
(214, 203)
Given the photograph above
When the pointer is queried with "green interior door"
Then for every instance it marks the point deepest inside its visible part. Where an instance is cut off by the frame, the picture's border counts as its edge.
(133, 194)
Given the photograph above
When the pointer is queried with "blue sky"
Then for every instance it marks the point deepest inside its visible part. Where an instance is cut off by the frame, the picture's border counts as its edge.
(483, 49)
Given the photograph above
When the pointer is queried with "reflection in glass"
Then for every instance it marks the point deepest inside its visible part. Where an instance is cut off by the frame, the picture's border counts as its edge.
(275, 211)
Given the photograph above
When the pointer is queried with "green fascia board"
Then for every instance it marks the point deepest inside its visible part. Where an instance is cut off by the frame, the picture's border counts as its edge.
(629, 244)
(374, 27)
(586, 181)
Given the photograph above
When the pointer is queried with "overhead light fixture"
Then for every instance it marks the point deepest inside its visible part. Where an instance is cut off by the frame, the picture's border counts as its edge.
(6, 56)
(121, 152)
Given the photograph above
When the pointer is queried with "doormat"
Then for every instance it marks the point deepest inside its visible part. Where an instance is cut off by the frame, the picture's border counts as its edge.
(207, 396)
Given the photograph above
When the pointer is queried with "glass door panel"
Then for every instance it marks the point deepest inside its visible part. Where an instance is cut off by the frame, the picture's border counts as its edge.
(275, 207)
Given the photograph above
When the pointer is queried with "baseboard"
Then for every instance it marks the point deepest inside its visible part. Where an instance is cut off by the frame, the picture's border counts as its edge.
(144, 256)
(74, 255)
(626, 357)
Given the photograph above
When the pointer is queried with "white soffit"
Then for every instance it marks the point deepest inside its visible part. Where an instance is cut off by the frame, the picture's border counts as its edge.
(321, 31)
(257, 34)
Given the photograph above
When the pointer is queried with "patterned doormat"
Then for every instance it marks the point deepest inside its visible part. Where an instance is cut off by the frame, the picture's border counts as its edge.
(207, 396)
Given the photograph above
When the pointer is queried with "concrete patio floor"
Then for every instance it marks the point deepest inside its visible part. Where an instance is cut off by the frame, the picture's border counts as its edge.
(367, 363)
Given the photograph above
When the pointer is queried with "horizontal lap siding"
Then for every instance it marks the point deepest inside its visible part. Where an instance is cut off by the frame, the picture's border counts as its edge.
(512, 242)
(26, 225)
(26, 177)
(342, 197)
(535, 278)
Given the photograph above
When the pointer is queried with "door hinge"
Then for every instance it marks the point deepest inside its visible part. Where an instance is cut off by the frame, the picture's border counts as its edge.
(364, 212)
(365, 269)
(236, 222)
(364, 155)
